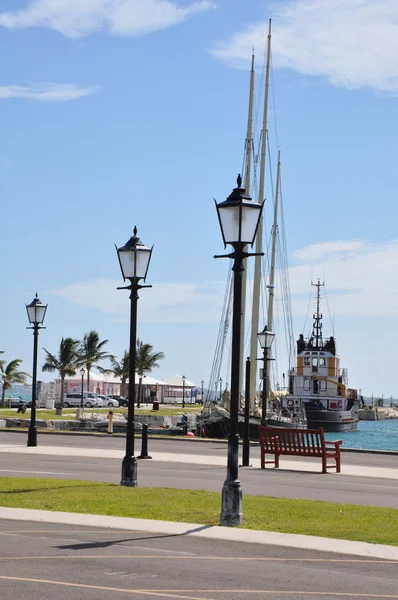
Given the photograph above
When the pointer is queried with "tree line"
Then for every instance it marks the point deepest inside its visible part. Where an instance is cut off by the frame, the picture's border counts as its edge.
(75, 354)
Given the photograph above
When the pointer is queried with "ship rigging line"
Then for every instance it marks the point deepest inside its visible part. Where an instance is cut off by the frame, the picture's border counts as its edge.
(325, 295)
(222, 334)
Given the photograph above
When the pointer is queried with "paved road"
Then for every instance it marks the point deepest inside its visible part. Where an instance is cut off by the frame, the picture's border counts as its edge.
(46, 561)
(179, 445)
(283, 484)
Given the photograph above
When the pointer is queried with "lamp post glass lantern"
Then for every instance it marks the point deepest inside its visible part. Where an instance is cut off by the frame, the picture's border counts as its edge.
(239, 218)
(36, 312)
(265, 338)
(134, 258)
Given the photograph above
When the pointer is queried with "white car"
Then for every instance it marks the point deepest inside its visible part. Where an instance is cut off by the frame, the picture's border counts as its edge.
(107, 401)
(89, 400)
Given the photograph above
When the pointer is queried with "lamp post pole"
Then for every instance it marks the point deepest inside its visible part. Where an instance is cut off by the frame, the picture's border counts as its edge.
(32, 433)
(36, 313)
(266, 338)
(82, 371)
(239, 217)
(246, 436)
(134, 259)
(202, 384)
(265, 387)
(220, 391)
(183, 391)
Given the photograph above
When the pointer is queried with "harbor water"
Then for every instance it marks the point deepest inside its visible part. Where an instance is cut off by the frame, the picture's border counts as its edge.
(371, 435)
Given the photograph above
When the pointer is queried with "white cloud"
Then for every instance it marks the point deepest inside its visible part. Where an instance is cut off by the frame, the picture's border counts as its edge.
(164, 303)
(326, 250)
(360, 283)
(46, 92)
(354, 43)
(77, 18)
(360, 277)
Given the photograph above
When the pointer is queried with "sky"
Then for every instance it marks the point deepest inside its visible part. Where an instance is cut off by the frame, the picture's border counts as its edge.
(123, 113)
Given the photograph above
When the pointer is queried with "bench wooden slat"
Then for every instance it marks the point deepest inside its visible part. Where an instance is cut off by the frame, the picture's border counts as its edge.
(298, 442)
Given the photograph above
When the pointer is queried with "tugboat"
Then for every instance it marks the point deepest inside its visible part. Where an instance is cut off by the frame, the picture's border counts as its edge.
(318, 385)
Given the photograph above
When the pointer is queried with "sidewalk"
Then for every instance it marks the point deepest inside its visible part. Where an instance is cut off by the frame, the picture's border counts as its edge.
(309, 465)
(249, 536)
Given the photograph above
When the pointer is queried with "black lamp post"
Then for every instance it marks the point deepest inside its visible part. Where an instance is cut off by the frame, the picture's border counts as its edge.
(220, 390)
(183, 390)
(239, 217)
(82, 372)
(202, 384)
(36, 312)
(265, 338)
(134, 259)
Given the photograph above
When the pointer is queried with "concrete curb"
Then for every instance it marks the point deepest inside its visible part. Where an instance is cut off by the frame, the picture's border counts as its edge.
(205, 531)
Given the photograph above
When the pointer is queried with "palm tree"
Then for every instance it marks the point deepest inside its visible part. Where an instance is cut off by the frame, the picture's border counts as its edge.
(10, 374)
(146, 360)
(66, 363)
(91, 351)
(120, 370)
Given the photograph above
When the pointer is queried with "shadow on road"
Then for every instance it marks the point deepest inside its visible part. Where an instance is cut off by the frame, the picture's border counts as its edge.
(108, 543)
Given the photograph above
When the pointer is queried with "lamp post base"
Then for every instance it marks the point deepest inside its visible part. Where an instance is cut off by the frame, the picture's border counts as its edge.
(129, 471)
(231, 504)
(32, 436)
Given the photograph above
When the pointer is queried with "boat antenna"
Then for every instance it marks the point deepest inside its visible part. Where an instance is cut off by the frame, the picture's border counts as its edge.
(317, 325)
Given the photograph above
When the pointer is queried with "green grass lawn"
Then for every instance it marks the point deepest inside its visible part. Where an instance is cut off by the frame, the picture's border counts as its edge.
(324, 519)
(70, 413)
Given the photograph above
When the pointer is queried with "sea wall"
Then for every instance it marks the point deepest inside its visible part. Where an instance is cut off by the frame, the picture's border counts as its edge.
(377, 413)
(100, 423)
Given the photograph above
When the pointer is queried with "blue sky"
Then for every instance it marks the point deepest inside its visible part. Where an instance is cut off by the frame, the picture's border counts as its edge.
(115, 113)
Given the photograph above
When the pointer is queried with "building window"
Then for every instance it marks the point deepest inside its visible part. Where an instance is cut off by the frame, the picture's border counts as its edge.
(307, 384)
(307, 361)
(322, 362)
(314, 364)
(324, 386)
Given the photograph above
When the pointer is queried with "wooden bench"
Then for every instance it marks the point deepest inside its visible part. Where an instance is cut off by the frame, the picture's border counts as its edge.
(281, 441)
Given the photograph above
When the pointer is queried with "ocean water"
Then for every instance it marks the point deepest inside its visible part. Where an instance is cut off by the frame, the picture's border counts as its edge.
(371, 435)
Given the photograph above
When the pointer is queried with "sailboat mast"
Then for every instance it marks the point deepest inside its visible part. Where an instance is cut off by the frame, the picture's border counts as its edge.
(259, 238)
(271, 286)
(246, 185)
(249, 133)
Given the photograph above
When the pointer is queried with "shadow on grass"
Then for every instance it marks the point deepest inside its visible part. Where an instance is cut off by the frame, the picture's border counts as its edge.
(47, 489)
(109, 543)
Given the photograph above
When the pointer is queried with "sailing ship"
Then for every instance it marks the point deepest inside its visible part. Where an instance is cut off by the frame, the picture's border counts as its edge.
(318, 385)
(317, 394)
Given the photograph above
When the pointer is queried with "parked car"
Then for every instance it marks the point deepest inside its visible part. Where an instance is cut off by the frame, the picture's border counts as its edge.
(109, 401)
(122, 401)
(76, 399)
